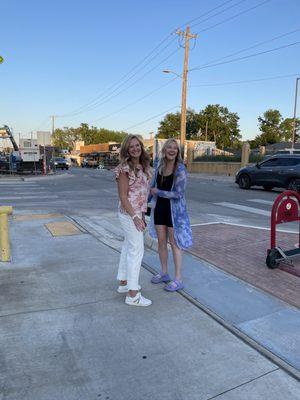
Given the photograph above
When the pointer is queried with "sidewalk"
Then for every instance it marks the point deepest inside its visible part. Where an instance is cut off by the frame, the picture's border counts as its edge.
(211, 177)
(66, 334)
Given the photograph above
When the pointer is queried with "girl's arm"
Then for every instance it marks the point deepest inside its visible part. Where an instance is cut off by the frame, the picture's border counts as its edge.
(123, 187)
(151, 185)
(179, 188)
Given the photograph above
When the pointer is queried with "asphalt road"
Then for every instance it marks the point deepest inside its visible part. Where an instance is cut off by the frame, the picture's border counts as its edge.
(93, 192)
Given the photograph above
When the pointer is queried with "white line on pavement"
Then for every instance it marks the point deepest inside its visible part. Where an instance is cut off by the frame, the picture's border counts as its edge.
(29, 192)
(244, 208)
(27, 197)
(19, 183)
(260, 201)
(246, 226)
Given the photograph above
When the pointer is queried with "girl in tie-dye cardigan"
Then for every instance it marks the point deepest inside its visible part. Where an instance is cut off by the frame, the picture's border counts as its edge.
(180, 234)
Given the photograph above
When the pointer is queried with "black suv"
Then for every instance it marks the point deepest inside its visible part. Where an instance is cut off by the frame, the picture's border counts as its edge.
(281, 170)
(60, 162)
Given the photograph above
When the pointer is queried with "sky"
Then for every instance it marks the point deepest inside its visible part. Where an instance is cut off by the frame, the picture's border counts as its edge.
(101, 62)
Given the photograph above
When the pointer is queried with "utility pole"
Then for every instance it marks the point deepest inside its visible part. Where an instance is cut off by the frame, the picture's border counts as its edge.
(53, 152)
(295, 113)
(187, 36)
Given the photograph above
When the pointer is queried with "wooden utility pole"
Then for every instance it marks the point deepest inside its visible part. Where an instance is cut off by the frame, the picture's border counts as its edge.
(52, 118)
(53, 152)
(187, 36)
(295, 115)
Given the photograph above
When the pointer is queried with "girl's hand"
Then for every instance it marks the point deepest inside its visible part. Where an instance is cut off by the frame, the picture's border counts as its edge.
(139, 223)
(144, 220)
(153, 191)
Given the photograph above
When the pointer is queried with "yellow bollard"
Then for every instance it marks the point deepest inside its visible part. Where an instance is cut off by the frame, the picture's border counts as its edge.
(4, 233)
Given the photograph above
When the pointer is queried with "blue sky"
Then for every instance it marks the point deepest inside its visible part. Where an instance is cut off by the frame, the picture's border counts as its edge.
(60, 56)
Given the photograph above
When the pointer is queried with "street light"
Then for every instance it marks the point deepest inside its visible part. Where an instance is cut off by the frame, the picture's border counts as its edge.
(167, 71)
(295, 112)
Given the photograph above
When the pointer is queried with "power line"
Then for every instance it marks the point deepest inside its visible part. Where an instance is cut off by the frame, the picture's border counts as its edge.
(252, 47)
(246, 57)
(136, 101)
(105, 100)
(103, 94)
(218, 13)
(245, 81)
(234, 16)
(41, 124)
(204, 14)
(149, 119)
(93, 102)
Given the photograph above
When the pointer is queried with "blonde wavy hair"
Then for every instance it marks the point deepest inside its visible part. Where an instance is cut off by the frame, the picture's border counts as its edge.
(124, 156)
(162, 156)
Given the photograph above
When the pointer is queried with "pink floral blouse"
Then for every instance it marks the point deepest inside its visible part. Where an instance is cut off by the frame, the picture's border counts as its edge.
(138, 188)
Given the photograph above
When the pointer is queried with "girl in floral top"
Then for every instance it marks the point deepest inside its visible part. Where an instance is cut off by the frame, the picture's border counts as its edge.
(132, 175)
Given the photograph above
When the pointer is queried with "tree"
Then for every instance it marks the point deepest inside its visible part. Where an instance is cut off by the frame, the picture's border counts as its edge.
(269, 125)
(169, 126)
(222, 125)
(65, 138)
(287, 127)
(275, 129)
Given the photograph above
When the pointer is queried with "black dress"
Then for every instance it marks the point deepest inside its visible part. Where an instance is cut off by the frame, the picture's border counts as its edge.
(162, 212)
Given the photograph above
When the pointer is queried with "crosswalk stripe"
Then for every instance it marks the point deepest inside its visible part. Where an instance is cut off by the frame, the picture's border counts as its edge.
(244, 208)
(19, 183)
(27, 197)
(35, 192)
(261, 201)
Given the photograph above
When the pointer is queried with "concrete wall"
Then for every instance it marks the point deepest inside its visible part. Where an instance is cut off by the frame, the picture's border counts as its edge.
(220, 168)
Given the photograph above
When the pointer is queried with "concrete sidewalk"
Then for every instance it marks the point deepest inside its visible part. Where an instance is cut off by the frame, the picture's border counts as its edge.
(66, 334)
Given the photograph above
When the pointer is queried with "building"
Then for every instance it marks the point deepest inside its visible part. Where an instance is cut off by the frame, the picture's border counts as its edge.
(44, 138)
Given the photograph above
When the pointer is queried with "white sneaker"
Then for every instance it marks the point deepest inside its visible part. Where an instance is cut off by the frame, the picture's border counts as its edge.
(138, 300)
(124, 288)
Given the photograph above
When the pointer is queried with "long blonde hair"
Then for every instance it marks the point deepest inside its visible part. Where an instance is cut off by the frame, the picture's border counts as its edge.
(125, 157)
(162, 156)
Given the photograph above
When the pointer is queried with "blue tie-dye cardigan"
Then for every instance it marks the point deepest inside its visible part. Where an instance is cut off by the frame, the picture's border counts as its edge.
(180, 219)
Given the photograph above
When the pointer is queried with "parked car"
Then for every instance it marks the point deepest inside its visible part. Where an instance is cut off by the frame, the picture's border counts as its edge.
(60, 162)
(90, 162)
(84, 163)
(282, 171)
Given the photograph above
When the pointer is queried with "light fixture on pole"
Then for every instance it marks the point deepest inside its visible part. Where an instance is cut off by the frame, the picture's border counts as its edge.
(183, 110)
(295, 113)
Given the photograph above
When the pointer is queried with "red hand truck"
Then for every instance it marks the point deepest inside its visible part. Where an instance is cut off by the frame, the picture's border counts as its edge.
(286, 208)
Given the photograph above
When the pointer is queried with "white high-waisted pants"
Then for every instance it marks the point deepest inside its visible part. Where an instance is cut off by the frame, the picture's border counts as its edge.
(132, 253)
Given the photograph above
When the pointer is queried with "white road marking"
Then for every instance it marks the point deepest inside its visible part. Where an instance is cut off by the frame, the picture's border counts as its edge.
(260, 201)
(28, 193)
(19, 183)
(244, 208)
(247, 226)
(27, 197)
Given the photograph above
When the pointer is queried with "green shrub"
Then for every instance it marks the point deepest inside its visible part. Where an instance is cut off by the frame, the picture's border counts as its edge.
(255, 158)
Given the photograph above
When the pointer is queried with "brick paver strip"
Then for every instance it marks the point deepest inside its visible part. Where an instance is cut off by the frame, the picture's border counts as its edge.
(242, 252)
